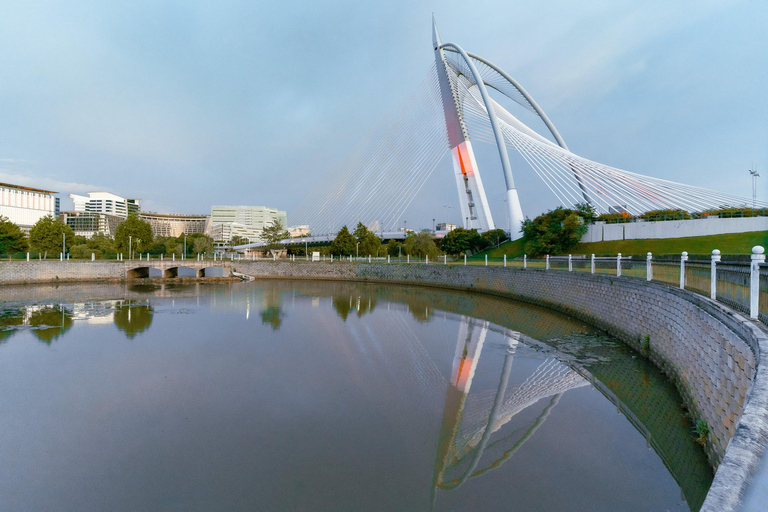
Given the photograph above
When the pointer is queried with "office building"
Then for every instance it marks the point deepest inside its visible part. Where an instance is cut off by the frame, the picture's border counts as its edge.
(24, 206)
(245, 221)
(88, 224)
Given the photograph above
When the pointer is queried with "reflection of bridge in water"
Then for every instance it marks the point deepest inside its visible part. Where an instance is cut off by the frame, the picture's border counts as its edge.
(481, 427)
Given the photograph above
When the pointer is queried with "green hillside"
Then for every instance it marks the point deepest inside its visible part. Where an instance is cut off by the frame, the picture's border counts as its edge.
(732, 243)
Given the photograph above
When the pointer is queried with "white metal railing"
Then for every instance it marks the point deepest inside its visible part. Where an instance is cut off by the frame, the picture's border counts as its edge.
(741, 283)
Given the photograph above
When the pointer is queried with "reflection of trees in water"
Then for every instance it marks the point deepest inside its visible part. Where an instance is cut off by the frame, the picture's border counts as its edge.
(133, 317)
(272, 315)
(51, 322)
(361, 301)
(10, 319)
(271, 312)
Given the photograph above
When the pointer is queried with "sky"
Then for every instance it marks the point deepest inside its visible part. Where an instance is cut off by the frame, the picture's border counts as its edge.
(187, 104)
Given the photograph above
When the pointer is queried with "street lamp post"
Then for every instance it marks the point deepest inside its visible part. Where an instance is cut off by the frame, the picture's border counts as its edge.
(185, 244)
(63, 244)
(433, 225)
(357, 250)
(405, 227)
(130, 248)
(755, 175)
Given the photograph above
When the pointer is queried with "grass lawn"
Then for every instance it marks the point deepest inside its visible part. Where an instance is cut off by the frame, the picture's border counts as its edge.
(732, 243)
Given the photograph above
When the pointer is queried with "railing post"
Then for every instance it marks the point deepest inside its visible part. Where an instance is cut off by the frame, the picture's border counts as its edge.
(525, 261)
(445, 259)
(387, 258)
(407, 258)
(713, 275)
(486, 260)
(570, 263)
(173, 256)
(426, 260)
(618, 264)
(547, 267)
(648, 267)
(505, 260)
(683, 259)
(61, 256)
(27, 256)
(465, 259)
(758, 257)
(93, 256)
(592, 264)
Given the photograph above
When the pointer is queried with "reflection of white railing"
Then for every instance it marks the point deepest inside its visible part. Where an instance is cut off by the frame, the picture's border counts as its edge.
(742, 284)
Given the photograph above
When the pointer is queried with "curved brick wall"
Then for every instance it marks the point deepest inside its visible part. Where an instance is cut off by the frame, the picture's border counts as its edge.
(717, 358)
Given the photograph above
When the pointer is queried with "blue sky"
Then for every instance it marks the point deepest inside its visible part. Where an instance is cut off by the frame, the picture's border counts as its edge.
(186, 104)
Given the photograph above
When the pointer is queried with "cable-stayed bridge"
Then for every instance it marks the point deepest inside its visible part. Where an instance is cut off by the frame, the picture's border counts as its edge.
(450, 108)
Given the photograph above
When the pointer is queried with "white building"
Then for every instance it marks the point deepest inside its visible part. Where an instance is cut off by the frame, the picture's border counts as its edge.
(106, 203)
(245, 221)
(174, 224)
(24, 206)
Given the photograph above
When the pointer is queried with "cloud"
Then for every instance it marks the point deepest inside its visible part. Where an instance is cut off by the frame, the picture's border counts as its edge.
(62, 187)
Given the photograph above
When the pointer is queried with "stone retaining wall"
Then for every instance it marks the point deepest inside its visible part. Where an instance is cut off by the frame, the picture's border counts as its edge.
(36, 271)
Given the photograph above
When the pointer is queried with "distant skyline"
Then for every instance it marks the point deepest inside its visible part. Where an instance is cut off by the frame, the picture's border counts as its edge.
(190, 104)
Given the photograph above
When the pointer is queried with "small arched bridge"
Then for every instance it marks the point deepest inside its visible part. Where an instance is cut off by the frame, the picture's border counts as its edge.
(141, 269)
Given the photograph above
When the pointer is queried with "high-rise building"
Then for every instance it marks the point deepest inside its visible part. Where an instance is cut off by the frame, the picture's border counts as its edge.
(24, 206)
(245, 221)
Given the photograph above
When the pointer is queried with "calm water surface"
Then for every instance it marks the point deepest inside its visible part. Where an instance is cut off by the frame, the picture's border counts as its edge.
(328, 396)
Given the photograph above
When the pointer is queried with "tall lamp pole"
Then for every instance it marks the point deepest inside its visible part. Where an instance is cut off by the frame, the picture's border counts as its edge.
(755, 175)
(63, 244)
(130, 253)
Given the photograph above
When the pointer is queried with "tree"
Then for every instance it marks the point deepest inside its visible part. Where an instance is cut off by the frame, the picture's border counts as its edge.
(494, 237)
(369, 242)
(420, 245)
(461, 240)
(554, 232)
(238, 240)
(48, 234)
(101, 244)
(273, 233)
(344, 243)
(394, 247)
(11, 237)
(134, 234)
(203, 244)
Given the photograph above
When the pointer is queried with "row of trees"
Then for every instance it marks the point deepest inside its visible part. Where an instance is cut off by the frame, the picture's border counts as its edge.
(364, 242)
(50, 236)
